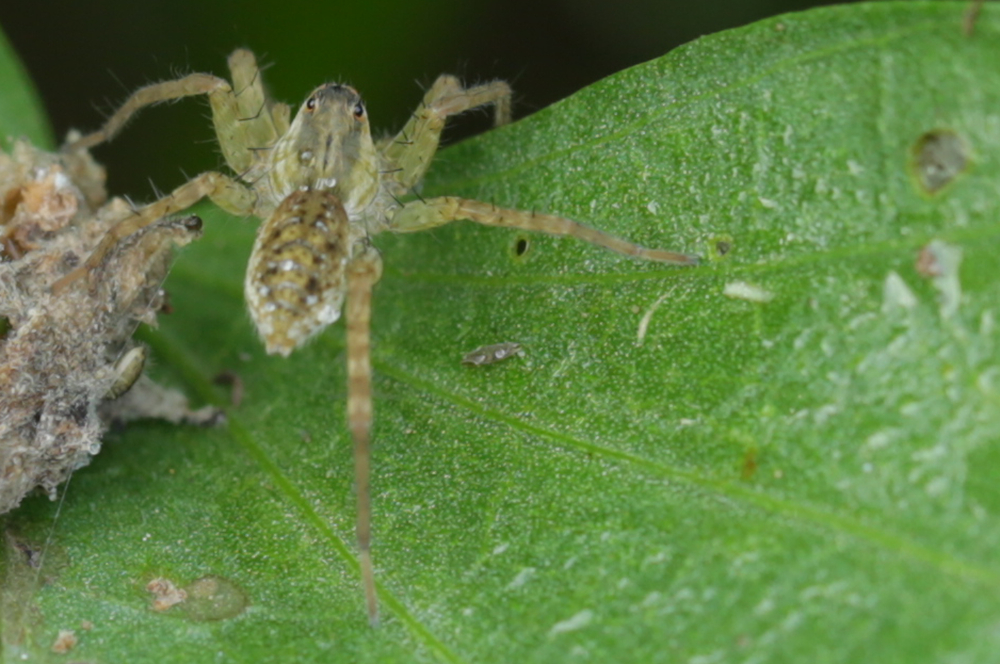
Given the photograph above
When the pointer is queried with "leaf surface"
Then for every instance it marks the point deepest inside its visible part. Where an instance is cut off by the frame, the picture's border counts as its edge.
(21, 111)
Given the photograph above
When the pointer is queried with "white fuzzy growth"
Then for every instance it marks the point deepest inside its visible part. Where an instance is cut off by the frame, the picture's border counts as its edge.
(742, 290)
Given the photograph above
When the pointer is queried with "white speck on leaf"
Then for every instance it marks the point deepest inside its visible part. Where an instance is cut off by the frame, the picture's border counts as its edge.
(896, 294)
(522, 578)
(648, 316)
(946, 259)
(579, 621)
(742, 290)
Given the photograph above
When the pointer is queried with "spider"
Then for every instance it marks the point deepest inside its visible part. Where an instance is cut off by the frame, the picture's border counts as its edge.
(324, 187)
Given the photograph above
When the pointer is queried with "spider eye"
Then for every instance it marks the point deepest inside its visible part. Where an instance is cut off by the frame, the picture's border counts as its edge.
(359, 110)
(311, 104)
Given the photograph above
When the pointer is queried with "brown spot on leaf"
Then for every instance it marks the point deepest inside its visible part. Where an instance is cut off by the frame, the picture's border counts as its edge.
(64, 642)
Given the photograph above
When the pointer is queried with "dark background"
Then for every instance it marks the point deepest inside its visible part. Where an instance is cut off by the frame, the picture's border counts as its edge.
(85, 57)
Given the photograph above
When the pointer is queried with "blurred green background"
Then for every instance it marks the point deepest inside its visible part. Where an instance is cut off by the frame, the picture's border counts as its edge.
(85, 57)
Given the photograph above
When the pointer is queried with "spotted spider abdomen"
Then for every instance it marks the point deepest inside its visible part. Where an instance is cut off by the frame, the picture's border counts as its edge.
(296, 279)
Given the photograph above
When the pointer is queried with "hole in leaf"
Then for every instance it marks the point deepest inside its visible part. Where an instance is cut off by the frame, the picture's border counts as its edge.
(521, 246)
(939, 156)
(719, 247)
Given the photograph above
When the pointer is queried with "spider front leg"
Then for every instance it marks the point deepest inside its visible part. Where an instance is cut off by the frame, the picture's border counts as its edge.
(194, 84)
(222, 190)
(244, 118)
(410, 152)
(424, 214)
(362, 273)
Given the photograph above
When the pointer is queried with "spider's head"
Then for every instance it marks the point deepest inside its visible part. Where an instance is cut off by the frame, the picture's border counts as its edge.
(329, 147)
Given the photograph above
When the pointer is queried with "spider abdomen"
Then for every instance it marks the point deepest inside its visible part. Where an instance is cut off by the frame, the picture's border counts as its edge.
(296, 280)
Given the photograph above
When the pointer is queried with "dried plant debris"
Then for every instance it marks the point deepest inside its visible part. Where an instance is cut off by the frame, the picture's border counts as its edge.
(64, 357)
(65, 641)
(166, 594)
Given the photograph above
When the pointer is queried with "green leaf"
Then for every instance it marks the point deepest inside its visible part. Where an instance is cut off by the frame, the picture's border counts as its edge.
(21, 111)
(796, 461)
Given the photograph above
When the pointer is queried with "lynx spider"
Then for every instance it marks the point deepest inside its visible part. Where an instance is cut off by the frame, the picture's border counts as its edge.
(324, 187)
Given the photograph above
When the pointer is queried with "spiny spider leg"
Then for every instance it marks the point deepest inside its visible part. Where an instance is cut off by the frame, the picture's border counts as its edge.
(362, 273)
(245, 122)
(243, 116)
(194, 84)
(424, 214)
(306, 259)
(223, 190)
(410, 153)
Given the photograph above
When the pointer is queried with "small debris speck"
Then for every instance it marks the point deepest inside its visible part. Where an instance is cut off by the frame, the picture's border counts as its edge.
(65, 641)
(165, 594)
(579, 621)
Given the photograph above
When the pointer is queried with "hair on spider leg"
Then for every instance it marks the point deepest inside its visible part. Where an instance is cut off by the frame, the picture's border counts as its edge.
(203, 141)
(253, 80)
(261, 67)
(156, 190)
(255, 116)
(406, 139)
(245, 175)
(179, 71)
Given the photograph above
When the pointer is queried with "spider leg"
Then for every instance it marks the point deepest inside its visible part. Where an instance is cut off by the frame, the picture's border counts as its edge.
(423, 214)
(193, 84)
(223, 190)
(362, 273)
(244, 117)
(410, 152)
